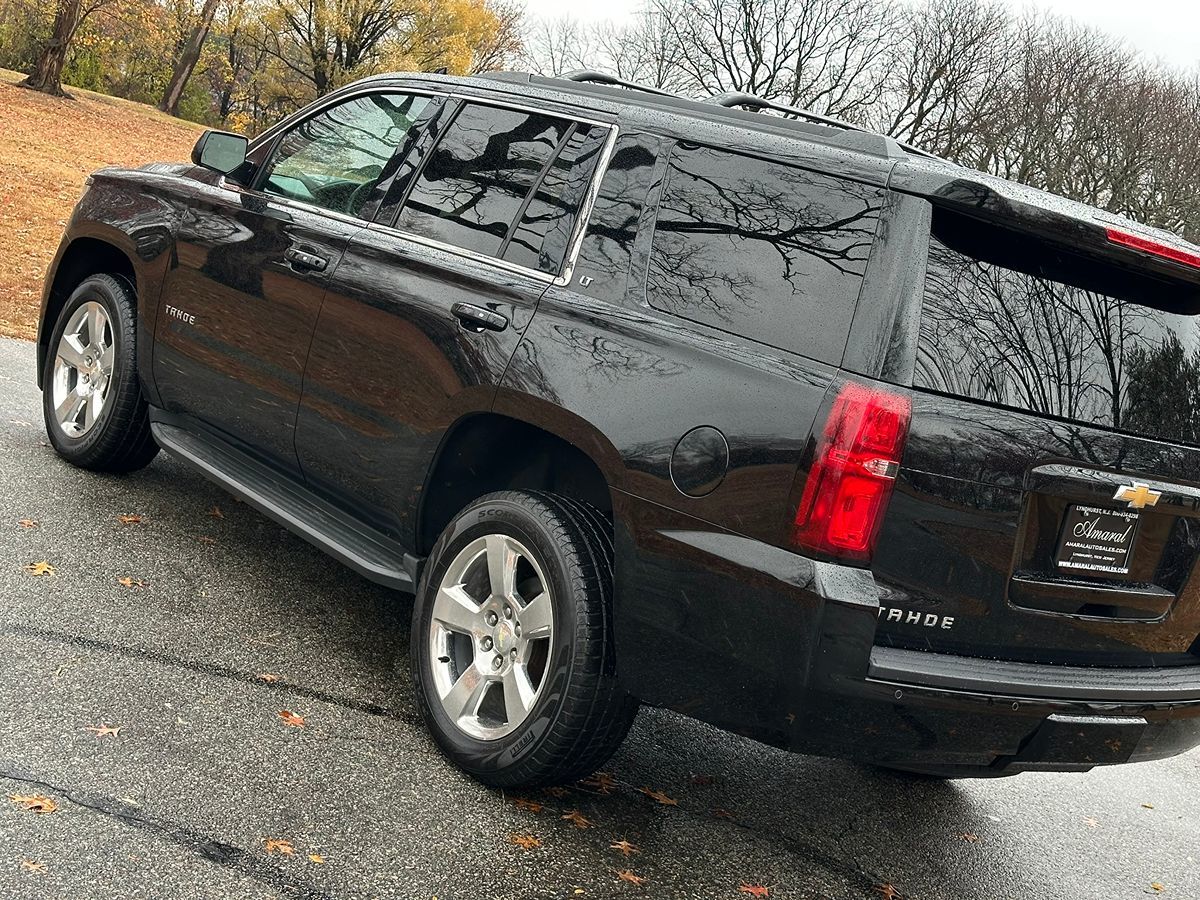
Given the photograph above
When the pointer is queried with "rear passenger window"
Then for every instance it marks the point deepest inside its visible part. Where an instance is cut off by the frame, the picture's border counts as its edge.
(606, 253)
(474, 185)
(541, 237)
(768, 251)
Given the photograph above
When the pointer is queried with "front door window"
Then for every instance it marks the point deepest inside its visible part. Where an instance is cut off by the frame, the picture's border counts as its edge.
(337, 158)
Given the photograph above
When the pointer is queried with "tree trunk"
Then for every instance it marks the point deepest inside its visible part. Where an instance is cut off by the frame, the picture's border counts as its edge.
(188, 59)
(46, 74)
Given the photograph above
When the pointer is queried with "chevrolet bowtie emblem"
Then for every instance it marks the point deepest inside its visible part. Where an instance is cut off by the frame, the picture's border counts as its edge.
(1137, 495)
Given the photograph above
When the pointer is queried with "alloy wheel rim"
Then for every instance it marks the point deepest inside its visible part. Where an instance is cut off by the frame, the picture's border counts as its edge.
(490, 636)
(83, 368)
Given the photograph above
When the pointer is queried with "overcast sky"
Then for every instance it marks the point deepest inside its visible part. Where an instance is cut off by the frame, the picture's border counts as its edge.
(1167, 29)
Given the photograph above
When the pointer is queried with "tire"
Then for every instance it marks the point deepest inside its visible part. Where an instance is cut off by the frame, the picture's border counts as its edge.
(579, 715)
(116, 438)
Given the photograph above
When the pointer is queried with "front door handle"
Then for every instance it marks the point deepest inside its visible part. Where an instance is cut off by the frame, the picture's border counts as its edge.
(302, 259)
(477, 319)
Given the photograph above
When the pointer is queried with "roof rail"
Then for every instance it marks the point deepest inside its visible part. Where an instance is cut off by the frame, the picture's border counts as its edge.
(592, 77)
(734, 99)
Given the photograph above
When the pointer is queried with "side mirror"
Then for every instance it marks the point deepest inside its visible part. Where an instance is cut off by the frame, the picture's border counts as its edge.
(221, 151)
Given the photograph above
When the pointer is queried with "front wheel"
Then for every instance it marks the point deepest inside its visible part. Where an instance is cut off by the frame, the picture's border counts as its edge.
(512, 646)
(96, 417)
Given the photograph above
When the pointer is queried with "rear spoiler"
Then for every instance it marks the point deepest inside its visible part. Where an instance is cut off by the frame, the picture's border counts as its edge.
(1056, 221)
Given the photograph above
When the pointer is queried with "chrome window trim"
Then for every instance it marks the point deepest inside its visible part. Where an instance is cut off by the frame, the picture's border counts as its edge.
(585, 208)
(493, 261)
(583, 217)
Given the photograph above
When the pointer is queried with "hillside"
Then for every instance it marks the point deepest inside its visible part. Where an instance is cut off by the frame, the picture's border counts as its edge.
(48, 146)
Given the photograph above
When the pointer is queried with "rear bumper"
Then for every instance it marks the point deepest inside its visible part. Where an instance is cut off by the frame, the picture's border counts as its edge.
(779, 647)
(930, 710)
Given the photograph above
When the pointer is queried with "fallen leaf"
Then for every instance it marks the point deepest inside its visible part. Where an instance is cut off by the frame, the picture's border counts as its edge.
(1157, 886)
(279, 845)
(28, 523)
(291, 719)
(104, 730)
(216, 513)
(268, 677)
(131, 582)
(556, 792)
(602, 782)
(528, 805)
(722, 814)
(34, 868)
(317, 858)
(889, 891)
(37, 803)
(626, 875)
(38, 569)
(659, 797)
(130, 519)
(1091, 823)
(525, 841)
(1147, 806)
(970, 837)
(578, 819)
(703, 780)
(755, 890)
(624, 847)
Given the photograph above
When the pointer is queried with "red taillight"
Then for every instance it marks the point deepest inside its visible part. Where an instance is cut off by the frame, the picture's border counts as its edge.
(850, 482)
(1166, 251)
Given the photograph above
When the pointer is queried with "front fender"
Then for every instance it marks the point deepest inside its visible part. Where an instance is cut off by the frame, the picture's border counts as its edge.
(125, 223)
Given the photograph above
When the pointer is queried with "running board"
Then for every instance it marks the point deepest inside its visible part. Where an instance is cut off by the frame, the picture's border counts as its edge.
(291, 505)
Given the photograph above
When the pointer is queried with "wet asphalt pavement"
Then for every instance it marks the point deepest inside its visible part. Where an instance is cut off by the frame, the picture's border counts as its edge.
(203, 772)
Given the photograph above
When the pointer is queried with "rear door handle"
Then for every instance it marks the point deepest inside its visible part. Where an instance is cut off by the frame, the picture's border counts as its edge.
(476, 318)
(302, 259)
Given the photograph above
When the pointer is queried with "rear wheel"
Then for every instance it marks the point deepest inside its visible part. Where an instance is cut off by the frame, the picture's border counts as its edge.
(96, 417)
(512, 641)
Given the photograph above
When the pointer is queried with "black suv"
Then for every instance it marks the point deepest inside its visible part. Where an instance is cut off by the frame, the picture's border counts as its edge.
(717, 406)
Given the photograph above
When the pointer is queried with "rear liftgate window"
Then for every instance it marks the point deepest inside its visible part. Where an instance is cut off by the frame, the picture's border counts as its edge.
(771, 252)
(1006, 321)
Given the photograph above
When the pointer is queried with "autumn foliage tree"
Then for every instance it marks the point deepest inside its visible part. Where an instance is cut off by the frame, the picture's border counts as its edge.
(326, 43)
(245, 63)
(46, 72)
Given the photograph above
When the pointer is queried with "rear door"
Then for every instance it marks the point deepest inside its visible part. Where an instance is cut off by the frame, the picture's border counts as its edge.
(254, 263)
(1048, 506)
(429, 303)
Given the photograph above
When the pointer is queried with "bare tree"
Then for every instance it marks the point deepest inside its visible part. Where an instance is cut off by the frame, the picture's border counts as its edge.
(819, 53)
(555, 46)
(946, 77)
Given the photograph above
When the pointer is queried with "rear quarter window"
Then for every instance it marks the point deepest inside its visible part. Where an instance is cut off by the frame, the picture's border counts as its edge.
(771, 252)
(1007, 321)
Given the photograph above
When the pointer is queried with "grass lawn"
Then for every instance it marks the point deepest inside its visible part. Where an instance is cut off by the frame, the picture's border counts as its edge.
(48, 146)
